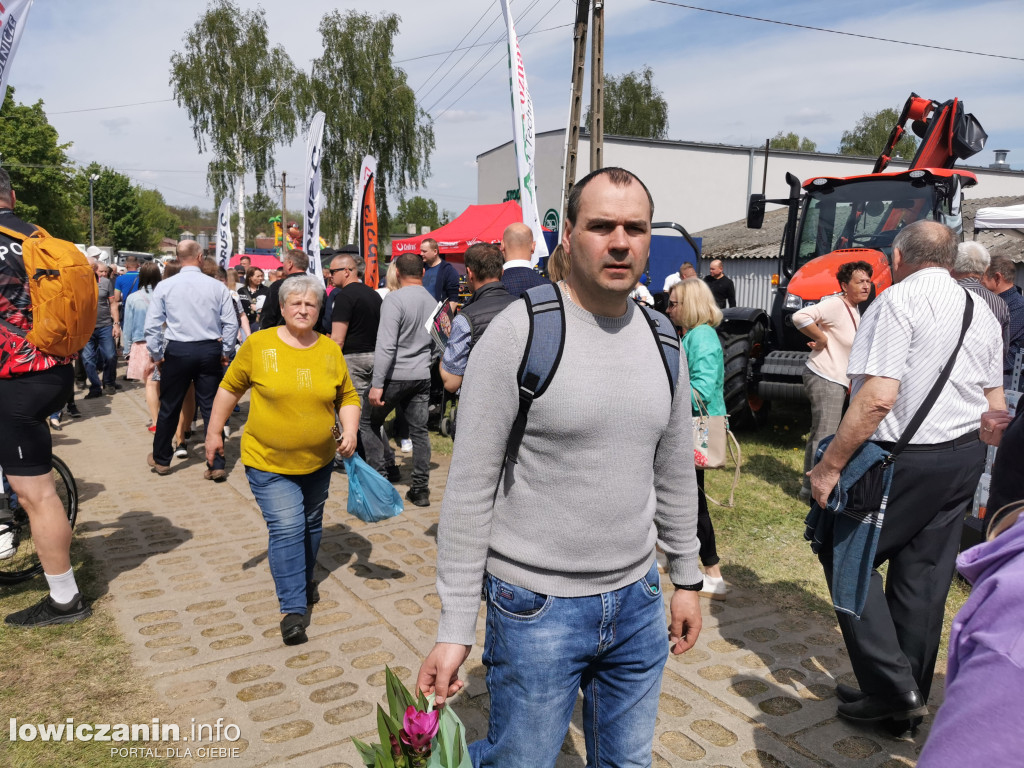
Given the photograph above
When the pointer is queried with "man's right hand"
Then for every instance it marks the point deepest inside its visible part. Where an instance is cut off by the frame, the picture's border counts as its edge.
(439, 673)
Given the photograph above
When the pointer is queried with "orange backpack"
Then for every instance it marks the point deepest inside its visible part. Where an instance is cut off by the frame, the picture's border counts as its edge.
(62, 290)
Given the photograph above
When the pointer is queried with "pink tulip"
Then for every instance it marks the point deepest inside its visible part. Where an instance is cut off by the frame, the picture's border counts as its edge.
(419, 728)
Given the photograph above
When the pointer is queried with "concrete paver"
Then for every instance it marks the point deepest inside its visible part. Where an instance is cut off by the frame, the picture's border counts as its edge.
(188, 580)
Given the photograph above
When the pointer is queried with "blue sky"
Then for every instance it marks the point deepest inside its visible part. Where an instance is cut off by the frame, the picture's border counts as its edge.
(726, 79)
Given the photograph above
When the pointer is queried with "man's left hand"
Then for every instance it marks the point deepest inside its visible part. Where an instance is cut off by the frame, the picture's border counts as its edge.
(823, 480)
(116, 331)
(686, 620)
(376, 397)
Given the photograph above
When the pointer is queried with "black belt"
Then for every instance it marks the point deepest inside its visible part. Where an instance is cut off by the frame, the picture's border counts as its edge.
(965, 439)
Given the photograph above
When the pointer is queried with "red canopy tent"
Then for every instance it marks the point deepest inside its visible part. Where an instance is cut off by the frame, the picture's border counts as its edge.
(477, 224)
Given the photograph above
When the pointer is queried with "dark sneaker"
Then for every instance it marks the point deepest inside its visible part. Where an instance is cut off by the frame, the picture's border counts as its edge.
(217, 475)
(181, 451)
(92, 394)
(312, 593)
(420, 497)
(74, 412)
(112, 387)
(48, 611)
(293, 629)
(394, 474)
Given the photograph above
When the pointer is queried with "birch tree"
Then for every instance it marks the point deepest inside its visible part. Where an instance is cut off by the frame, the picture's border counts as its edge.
(238, 92)
(370, 109)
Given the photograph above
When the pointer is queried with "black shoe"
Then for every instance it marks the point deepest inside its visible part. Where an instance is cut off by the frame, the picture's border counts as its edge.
(48, 611)
(74, 412)
(114, 387)
(848, 694)
(394, 474)
(420, 497)
(293, 629)
(897, 728)
(898, 706)
(93, 393)
(312, 593)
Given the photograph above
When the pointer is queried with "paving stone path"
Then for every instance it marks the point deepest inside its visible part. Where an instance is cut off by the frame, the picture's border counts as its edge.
(185, 568)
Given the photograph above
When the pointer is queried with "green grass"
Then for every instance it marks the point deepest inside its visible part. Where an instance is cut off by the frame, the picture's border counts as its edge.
(81, 670)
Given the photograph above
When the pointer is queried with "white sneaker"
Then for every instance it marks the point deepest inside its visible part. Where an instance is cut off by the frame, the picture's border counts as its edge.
(715, 588)
(407, 445)
(7, 548)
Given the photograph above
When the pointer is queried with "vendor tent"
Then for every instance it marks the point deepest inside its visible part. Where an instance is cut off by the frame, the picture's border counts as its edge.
(262, 260)
(1010, 217)
(477, 224)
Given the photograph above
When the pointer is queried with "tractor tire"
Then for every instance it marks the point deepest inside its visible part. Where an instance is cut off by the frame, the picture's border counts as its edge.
(745, 409)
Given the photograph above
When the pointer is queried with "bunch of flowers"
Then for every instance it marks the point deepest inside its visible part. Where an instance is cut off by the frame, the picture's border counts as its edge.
(413, 734)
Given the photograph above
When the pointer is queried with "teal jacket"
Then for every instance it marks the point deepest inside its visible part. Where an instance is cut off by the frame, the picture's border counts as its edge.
(707, 368)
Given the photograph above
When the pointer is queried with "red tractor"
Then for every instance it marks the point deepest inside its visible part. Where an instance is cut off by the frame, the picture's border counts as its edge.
(834, 220)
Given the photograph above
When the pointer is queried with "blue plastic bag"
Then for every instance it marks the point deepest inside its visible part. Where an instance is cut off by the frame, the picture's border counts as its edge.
(371, 498)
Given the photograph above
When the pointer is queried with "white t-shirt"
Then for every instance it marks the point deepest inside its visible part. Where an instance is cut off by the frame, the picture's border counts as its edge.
(908, 334)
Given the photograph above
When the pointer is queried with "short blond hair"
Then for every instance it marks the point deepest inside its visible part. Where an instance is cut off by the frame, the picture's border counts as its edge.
(696, 304)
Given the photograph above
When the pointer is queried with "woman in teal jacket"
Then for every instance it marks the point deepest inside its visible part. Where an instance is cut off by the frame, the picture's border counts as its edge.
(694, 311)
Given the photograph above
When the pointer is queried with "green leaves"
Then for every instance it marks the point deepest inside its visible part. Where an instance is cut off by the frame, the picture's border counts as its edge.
(633, 106)
(869, 136)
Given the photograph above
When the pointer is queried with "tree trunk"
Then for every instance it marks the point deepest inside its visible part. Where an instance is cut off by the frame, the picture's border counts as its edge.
(240, 191)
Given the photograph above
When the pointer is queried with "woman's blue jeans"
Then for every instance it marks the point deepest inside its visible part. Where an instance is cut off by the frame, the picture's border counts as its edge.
(293, 506)
(541, 650)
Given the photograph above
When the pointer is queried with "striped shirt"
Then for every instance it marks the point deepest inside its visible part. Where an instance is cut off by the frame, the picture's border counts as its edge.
(908, 334)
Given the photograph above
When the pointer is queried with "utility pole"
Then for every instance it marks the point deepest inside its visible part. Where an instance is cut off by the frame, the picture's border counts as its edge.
(597, 89)
(572, 133)
(284, 204)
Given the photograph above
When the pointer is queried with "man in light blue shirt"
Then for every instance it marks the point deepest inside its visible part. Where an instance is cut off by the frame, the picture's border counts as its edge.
(200, 332)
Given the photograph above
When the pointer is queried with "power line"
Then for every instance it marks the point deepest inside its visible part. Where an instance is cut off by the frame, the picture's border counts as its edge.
(836, 31)
(480, 45)
(451, 69)
(498, 61)
(115, 106)
(453, 50)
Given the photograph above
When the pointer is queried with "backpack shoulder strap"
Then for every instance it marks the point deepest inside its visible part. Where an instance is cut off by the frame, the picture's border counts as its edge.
(544, 344)
(668, 343)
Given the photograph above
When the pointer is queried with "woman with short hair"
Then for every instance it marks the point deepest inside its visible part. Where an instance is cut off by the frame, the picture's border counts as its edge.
(693, 310)
(140, 365)
(252, 294)
(831, 325)
(300, 389)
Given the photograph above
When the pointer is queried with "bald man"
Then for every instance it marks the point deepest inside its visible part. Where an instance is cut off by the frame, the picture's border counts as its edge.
(518, 274)
(721, 286)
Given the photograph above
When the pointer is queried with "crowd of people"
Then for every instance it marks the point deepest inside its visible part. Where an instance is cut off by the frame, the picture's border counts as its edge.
(327, 360)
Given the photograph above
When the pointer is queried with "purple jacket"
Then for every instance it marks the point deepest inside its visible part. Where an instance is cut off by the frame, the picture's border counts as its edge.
(979, 722)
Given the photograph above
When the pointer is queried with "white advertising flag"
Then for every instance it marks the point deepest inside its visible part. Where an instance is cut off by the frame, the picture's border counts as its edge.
(312, 199)
(13, 14)
(523, 137)
(224, 233)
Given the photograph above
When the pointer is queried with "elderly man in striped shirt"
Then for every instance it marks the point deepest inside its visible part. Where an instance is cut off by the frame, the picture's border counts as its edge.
(904, 341)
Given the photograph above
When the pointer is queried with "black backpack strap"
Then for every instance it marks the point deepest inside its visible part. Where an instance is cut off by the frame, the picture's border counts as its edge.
(933, 394)
(544, 344)
(668, 343)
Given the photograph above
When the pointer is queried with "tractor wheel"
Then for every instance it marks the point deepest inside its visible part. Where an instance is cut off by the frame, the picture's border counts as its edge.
(744, 407)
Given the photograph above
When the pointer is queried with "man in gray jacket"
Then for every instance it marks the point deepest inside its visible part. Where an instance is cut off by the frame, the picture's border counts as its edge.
(401, 372)
(563, 542)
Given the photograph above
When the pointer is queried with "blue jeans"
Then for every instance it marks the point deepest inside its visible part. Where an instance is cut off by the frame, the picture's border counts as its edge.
(100, 344)
(293, 506)
(540, 651)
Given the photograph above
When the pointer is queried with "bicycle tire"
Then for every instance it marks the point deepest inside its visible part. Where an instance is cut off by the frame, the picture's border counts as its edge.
(24, 564)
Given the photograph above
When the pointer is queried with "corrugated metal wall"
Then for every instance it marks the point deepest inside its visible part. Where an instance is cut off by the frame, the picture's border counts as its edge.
(753, 280)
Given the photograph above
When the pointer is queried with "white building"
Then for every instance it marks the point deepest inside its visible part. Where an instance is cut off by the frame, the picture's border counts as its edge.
(695, 184)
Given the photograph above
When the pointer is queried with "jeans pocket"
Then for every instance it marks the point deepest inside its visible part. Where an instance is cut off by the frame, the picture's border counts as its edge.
(650, 584)
(517, 603)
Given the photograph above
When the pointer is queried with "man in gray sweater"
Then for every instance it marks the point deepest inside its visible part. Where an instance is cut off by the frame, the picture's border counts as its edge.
(401, 372)
(563, 542)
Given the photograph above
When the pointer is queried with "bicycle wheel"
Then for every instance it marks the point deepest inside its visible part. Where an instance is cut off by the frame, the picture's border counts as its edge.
(24, 563)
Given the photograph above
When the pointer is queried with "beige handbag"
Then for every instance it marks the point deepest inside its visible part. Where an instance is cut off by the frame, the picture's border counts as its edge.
(712, 439)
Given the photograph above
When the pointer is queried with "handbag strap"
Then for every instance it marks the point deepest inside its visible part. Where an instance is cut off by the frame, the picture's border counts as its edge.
(737, 458)
(850, 313)
(940, 382)
(702, 410)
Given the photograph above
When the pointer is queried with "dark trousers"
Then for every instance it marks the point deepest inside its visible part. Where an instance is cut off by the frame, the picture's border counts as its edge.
(705, 529)
(185, 363)
(894, 645)
(413, 397)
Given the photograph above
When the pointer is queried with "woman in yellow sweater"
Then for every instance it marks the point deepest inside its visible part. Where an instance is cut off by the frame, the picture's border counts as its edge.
(299, 383)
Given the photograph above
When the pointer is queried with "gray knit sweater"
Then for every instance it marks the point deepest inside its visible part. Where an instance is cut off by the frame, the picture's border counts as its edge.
(403, 342)
(605, 469)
